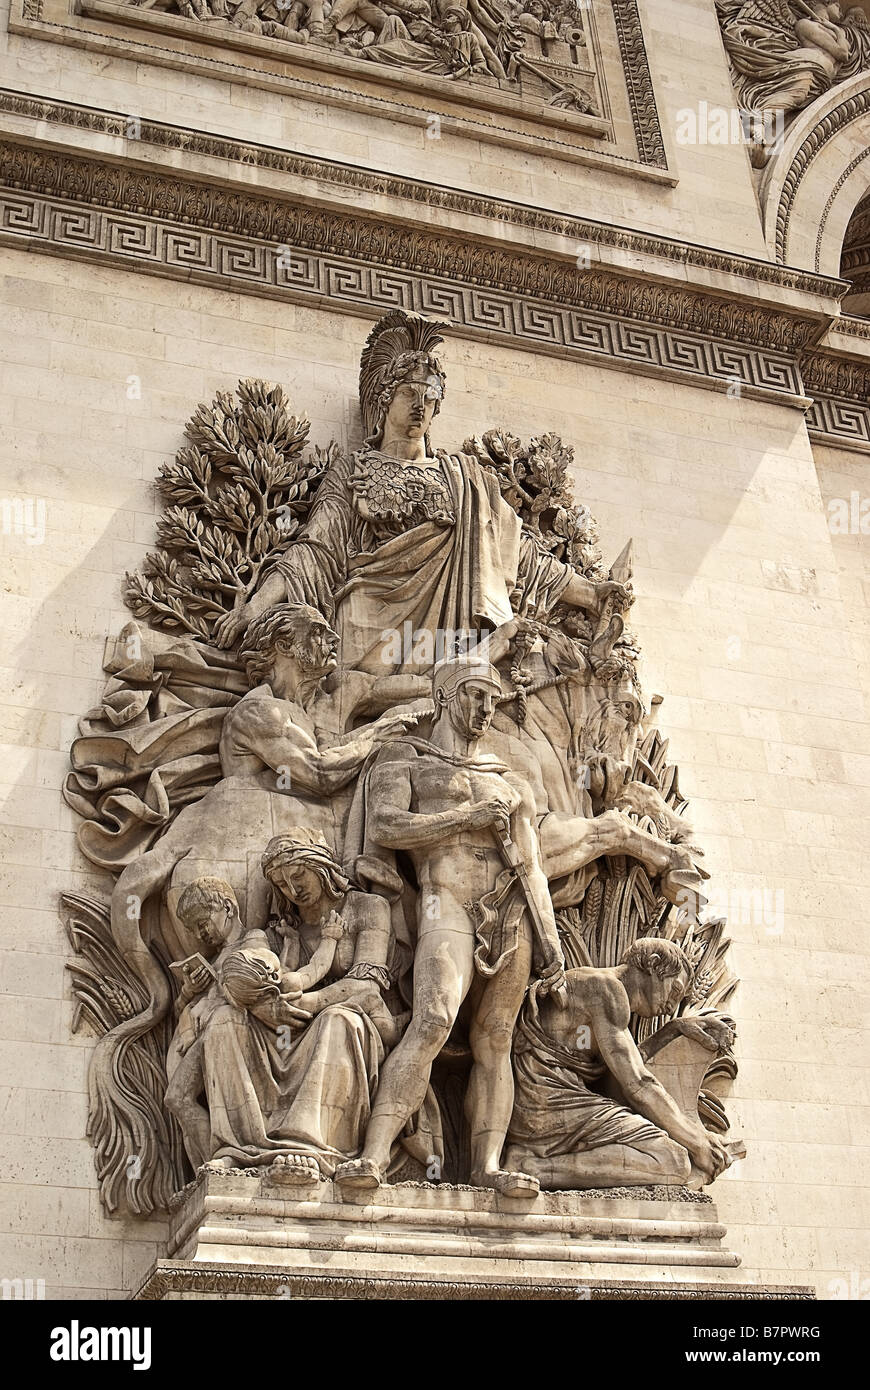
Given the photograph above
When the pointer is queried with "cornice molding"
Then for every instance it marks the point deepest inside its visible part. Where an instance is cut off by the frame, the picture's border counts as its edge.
(840, 412)
(584, 231)
(347, 282)
(853, 326)
(204, 1280)
(836, 376)
(146, 219)
(78, 206)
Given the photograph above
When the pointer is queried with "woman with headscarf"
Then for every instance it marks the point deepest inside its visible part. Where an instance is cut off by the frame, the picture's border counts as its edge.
(279, 1089)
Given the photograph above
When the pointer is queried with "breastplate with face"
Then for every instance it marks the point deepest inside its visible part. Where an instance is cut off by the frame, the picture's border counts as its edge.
(393, 497)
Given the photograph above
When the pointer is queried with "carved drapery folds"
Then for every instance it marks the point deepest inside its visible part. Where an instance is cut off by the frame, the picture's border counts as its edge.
(372, 751)
(785, 53)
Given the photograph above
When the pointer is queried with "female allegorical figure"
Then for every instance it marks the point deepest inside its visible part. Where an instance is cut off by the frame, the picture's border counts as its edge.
(400, 536)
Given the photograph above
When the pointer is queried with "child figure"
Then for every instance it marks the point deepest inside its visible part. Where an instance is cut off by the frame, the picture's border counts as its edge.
(341, 934)
(209, 912)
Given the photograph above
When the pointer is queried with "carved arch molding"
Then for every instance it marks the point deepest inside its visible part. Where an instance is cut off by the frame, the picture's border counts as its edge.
(816, 181)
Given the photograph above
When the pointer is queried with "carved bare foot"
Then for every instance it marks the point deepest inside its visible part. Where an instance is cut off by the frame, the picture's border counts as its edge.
(298, 1170)
(509, 1184)
(218, 1165)
(359, 1173)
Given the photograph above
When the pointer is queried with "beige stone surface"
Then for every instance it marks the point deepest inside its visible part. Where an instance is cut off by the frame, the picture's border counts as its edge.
(446, 1236)
(751, 618)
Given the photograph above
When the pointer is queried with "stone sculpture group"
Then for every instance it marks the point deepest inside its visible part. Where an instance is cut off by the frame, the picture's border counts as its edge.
(402, 889)
(536, 47)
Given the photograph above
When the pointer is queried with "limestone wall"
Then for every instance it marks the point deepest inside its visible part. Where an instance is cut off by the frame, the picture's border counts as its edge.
(747, 614)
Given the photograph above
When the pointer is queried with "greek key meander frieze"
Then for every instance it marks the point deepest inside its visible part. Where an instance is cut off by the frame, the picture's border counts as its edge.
(537, 60)
(136, 192)
(523, 298)
(845, 420)
(261, 267)
(584, 231)
(841, 392)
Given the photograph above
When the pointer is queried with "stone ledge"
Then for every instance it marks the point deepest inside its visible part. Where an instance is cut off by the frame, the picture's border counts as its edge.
(218, 158)
(171, 1280)
(252, 1235)
(148, 221)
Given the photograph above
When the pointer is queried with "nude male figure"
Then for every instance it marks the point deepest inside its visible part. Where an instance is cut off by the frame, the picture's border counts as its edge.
(445, 803)
(275, 776)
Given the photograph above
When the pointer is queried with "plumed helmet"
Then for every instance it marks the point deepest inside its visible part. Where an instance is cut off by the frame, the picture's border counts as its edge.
(449, 675)
(400, 347)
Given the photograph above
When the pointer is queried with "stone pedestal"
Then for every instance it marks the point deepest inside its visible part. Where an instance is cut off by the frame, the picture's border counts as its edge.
(250, 1236)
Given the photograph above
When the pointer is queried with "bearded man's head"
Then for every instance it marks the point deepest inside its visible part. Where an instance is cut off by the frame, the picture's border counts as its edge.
(296, 630)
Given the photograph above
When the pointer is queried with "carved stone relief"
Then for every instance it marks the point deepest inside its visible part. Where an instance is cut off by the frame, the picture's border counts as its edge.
(542, 61)
(403, 887)
(538, 48)
(785, 53)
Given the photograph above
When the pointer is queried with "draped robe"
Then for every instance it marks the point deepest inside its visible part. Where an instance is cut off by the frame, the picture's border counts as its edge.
(468, 570)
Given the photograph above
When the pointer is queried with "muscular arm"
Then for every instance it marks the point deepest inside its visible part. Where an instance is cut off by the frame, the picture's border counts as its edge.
(608, 1012)
(543, 581)
(263, 729)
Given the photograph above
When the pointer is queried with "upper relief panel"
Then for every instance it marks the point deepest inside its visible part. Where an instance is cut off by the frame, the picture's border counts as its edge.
(568, 77)
(536, 49)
